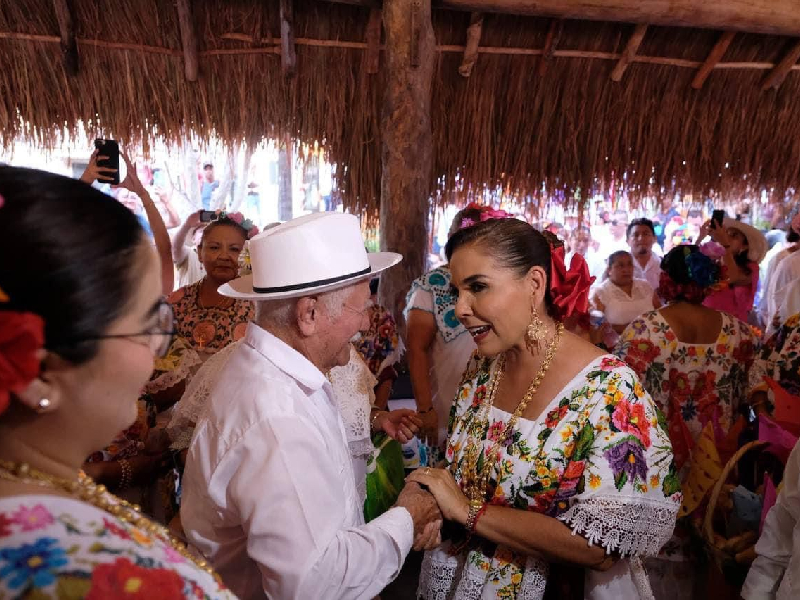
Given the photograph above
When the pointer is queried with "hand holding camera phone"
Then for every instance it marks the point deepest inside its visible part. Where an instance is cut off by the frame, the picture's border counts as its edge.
(716, 218)
(107, 161)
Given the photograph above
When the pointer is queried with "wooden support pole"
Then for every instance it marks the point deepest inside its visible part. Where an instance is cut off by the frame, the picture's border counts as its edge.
(69, 45)
(550, 43)
(630, 52)
(713, 58)
(474, 32)
(372, 58)
(288, 52)
(407, 146)
(191, 64)
(781, 70)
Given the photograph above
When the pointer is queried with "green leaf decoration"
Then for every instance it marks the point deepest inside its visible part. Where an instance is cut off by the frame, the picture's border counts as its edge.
(620, 479)
(583, 446)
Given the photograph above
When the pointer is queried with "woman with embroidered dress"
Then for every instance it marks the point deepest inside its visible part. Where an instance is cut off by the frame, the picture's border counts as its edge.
(695, 362)
(777, 366)
(438, 346)
(555, 452)
(207, 320)
(81, 320)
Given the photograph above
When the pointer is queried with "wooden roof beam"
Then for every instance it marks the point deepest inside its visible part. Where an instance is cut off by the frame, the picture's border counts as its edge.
(630, 52)
(69, 44)
(288, 51)
(777, 17)
(191, 63)
(713, 59)
(781, 70)
(474, 32)
(550, 43)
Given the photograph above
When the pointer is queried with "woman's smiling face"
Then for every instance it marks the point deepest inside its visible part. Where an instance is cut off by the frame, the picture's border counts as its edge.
(494, 302)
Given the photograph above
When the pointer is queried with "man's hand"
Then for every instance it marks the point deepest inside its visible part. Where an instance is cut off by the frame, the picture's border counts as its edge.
(131, 181)
(400, 425)
(423, 510)
(93, 172)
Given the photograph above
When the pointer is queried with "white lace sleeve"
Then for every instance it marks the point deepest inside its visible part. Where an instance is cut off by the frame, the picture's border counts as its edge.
(188, 410)
(354, 386)
(173, 368)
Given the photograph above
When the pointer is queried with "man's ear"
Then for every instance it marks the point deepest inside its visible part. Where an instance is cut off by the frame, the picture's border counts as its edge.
(43, 394)
(306, 314)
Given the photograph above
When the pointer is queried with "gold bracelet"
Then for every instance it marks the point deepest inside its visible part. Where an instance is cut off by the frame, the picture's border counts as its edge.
(375, 418)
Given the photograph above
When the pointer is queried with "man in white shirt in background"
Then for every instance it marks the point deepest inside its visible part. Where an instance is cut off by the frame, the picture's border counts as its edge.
(641, 236)
(269, 493)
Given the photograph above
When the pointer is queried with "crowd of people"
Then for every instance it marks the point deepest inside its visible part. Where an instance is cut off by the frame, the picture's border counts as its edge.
(207, 415)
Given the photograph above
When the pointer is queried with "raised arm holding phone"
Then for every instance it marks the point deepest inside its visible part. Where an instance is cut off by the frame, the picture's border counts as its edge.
(97, 170)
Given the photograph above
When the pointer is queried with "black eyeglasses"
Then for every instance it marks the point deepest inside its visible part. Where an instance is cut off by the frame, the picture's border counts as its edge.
(158, 338)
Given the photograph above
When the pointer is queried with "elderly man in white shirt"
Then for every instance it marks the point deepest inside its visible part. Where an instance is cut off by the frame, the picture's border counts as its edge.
(269, 494)
(646, 265)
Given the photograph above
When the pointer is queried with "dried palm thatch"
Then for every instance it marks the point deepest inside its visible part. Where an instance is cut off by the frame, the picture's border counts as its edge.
(571, 129)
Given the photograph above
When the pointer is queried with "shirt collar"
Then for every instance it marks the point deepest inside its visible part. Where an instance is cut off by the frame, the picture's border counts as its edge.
(283, 356)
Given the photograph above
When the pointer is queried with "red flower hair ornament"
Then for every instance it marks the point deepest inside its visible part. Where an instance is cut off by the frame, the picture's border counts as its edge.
(21, 337)
(569, 288)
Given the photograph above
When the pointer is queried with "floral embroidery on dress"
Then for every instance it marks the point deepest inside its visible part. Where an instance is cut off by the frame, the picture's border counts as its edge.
(779, 359)
(379, 346)
(209, 328)
(59, 547)
(691, 383)
(437, 282)
(598, 458)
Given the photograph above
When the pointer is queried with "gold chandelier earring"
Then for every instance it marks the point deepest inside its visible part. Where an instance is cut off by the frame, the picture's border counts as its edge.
(536, 331)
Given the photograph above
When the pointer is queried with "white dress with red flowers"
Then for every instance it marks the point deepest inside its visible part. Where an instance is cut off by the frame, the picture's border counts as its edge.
(691, 383)
(56, 547)
(598, 459)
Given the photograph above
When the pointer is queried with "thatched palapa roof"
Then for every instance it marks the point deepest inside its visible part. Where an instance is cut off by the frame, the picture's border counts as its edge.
(513, 122)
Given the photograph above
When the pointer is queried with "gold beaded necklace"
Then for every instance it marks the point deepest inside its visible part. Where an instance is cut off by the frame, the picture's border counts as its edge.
(98, 496)
(476, 473)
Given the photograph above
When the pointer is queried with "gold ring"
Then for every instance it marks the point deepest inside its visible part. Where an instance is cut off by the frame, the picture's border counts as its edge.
(427, 470)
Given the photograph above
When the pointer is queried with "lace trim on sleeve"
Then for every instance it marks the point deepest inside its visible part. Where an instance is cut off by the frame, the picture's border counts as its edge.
(629, 526)
(353, 385)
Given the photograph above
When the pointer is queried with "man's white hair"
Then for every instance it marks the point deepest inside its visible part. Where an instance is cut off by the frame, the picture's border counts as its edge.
(278, 313)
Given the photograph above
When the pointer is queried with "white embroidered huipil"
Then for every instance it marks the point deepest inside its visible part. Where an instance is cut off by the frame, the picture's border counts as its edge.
(269, 495)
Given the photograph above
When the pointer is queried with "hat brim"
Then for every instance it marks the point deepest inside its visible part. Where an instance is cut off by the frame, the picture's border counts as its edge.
(756, 240)
(242, 288)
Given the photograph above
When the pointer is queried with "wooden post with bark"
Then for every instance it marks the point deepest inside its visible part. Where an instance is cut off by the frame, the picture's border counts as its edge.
(407, 153)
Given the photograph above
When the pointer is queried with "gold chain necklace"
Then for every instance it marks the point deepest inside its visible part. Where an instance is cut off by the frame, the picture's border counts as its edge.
(88, 491)
(476, 473)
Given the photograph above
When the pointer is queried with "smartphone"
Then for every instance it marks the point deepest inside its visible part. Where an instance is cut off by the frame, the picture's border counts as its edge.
(110, 150)
(207, 215)
(716, 218)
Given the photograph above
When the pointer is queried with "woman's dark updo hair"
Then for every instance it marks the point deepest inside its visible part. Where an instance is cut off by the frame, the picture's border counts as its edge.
(513, 243)
(219, 223)
(687, 275)
(69, 255)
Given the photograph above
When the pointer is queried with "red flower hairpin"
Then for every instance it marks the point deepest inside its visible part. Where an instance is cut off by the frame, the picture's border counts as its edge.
(569, 289)
(21, 337)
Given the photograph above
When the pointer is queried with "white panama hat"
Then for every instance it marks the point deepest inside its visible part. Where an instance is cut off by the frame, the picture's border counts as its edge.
(756, 241)
(311, 254)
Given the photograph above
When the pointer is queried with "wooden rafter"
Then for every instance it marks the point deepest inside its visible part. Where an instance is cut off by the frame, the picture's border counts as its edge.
(781, 70)
(372, 37)
(191, 64)
(550, 43)
(69, 45)
(288, 51)
(630, 52)
(713, 59)
(474, 32)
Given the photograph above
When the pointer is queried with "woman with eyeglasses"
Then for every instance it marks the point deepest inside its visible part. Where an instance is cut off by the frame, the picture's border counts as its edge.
(81, 321)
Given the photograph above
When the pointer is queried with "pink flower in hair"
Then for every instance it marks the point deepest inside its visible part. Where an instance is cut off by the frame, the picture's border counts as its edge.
(712, 250)
(236, 217)
(467, 223)
(253, 231)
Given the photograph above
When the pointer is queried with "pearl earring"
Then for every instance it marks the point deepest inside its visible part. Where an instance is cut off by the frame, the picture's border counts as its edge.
(43, 405)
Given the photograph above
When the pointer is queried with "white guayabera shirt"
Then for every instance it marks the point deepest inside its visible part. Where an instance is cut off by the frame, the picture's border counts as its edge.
(269, 495)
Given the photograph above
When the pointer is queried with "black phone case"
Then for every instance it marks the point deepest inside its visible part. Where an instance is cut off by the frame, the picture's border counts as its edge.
(108, 148)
